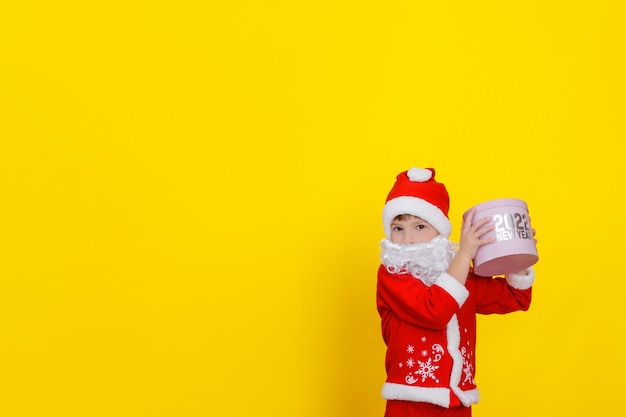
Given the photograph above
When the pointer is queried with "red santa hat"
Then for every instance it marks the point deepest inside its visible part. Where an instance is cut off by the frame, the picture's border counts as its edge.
(416, 192)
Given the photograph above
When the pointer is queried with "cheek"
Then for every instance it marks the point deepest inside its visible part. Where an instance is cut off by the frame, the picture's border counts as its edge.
(430, 235)
(396, 237)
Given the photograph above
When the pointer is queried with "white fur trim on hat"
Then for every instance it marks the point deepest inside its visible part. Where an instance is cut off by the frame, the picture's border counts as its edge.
(416, 207)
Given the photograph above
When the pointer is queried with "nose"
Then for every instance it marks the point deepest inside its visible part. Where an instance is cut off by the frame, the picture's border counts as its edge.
(408, 238)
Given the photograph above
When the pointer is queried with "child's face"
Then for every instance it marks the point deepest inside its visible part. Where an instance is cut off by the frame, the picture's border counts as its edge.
(411, 229)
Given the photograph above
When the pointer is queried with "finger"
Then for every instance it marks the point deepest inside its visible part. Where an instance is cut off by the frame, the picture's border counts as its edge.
(467, 222)
(481, 223)
(483, 230)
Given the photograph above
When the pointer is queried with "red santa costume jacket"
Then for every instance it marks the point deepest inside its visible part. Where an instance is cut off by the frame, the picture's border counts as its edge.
(430, 332)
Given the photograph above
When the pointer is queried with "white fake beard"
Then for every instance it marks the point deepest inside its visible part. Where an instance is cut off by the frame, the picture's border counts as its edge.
(425, 261)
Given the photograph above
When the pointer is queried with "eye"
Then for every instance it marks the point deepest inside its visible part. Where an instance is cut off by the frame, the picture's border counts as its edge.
(396, 228)
(420, 227)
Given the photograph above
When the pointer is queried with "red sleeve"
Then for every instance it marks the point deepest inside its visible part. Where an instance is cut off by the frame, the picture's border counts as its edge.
(498, 295)
(414, 302)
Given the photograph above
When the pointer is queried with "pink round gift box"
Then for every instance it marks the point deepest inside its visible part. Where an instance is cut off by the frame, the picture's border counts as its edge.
(514, 249)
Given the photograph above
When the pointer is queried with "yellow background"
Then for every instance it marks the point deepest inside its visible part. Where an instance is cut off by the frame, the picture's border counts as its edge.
(191, 191)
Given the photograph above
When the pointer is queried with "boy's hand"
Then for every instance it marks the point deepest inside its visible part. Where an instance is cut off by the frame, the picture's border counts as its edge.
(470, 235)
(469, 243)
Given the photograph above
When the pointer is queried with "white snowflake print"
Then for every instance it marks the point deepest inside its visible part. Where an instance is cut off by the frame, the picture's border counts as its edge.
(410, 379)
(438, 351)
(467, 368)
(422, 369)
(426, 369)
(467, 371)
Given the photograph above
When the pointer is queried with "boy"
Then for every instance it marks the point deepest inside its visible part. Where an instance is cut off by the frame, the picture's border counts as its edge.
(428, 297)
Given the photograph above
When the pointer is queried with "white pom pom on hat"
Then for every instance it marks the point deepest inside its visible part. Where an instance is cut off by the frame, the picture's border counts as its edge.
(417, 193)
(419, 175)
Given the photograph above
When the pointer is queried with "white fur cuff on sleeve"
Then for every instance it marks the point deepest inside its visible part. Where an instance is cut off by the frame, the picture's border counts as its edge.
(521, 282)
(453, 287)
